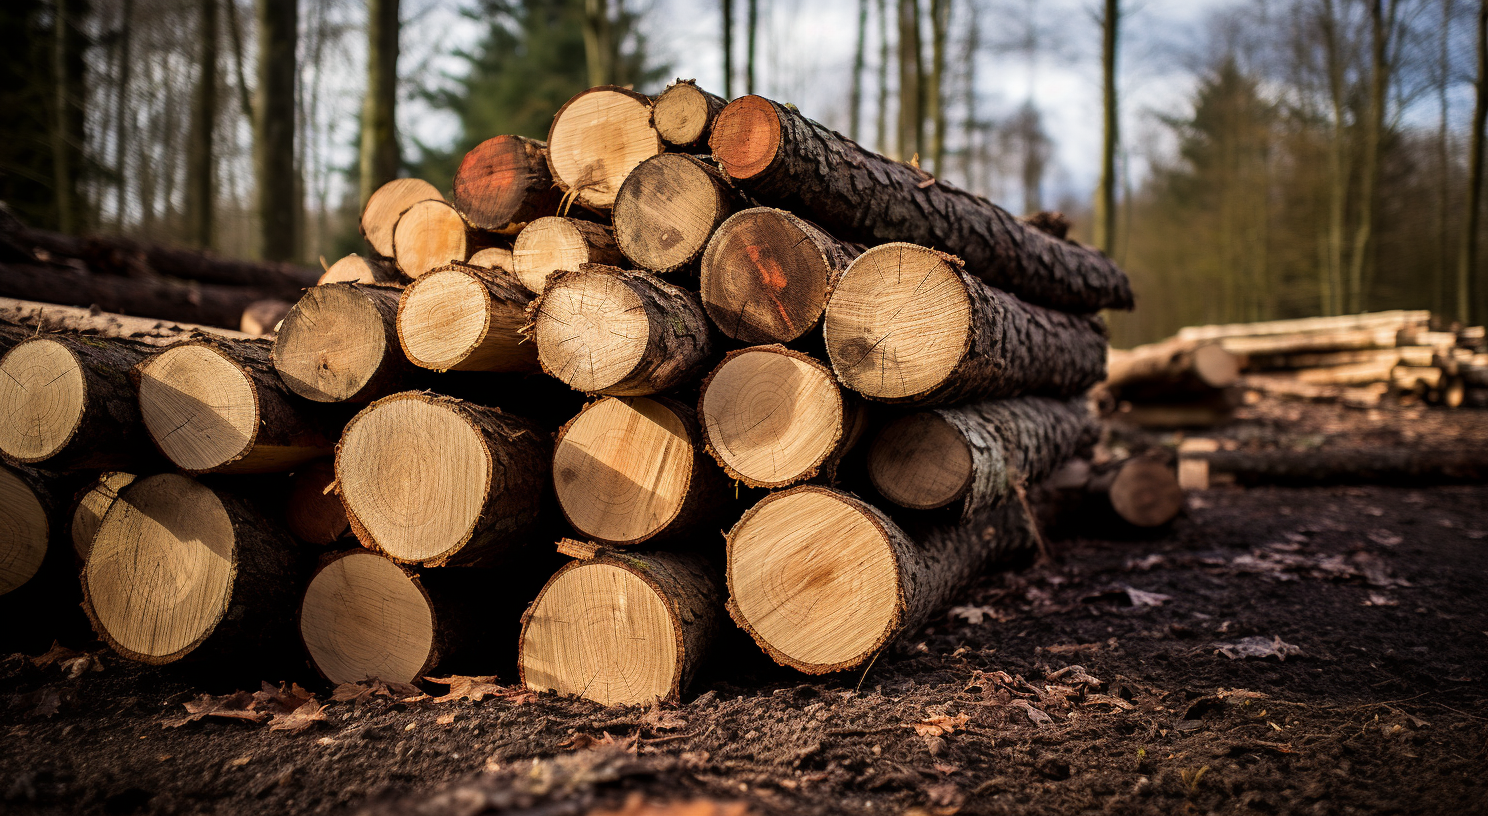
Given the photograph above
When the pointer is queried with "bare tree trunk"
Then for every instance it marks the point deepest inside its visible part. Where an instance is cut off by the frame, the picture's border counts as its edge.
(379, 159)
(597, 46)
(235, 34)
(973, 43)
(67, 124)
(199, 166)
(1381, 25)
(940, 20)
(728, 49)
(1467, 261)
(855, 102)
(1338, 174)
(749, 59)
(273, 130)
(1105, 200)
(882, 121)
(1444, 164)
(911, 105)
(121, 133)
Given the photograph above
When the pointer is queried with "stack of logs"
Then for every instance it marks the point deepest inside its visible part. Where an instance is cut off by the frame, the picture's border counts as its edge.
(852, 366)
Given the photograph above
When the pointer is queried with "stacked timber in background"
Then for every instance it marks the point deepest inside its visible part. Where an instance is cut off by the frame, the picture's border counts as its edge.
(880, 363)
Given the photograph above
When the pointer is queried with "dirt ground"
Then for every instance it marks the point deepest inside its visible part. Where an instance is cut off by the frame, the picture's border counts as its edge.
(1277, 650)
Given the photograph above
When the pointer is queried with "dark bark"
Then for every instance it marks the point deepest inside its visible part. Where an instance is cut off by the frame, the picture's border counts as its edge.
(379, 149)
(1364, 465)
(275, 171)
(68, 102)
(792, 162)
(200, 197)
(165, 299)
(504, 183)
(32, 317)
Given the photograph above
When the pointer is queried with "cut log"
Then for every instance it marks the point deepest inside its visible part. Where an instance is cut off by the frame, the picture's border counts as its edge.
(766, 274)
(25, 527)
(492, 258)
(387, 204)
(1406, 355)
(597, 138)
(429, 235)
(178, 568)
(504, 183)
(313, 513)
(1356, 374)
(466, 318)
(434, 480)
(668, 208)
(1343, 340)
(92, 505)
(1396, 320)
(160, 298)
(629, 470)
(1404, 465)
(355, 269)
(774, 417)
(1140, 491)
(1203, 413)
(603, 330)
(791, 162)
(1367, 396)
(554, 244)
(1416, 378)
(621, 629)
(683, 114)
(58, 318)
(822, 580)
(907, 324)
(262, 317)
(1174, 366)
(216, 405)
(67, 402)
(977, 454)
(340, 344)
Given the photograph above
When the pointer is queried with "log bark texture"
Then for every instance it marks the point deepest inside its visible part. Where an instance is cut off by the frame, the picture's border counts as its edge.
(504, 182)
(36, 316)
(789, 161)
(161, 298)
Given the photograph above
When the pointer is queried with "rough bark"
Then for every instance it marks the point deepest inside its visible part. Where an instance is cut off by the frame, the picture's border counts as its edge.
(159, 298)
(312, 512)
(683, 114)
(668, 209)
(36, 317)
(201, 196)
(496, 344)
(791, 162)
(339, 343)
(379, 149)
(277, 178)
(504, 183)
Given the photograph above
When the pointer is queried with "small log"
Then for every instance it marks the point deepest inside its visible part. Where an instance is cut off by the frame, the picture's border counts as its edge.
(774, 417)
(1342, 340)
(823, 580)
(554, 244)
(68, 403)
(1406, 355)
(1367, 396)
(1140, 491)
(340, 344)
(504, 183)
(668, 208)
(977, 454)
(313, 513)
(262, 317)
(632, 470)
(603, 330)
(159, 298)
(621, 629)
(92, 505)
(355, 269)
(57, 318)
(1416, 378)
(492, 258)
(683, 114)
(429, 235)
(433, 480)
(597, 138)
(178, 568)
(463, 317)
(1356, 374)
(1396, 320)
(217, 405)
(1200, 413)
(387, 204)
(766, 274)
(1404, 465)
(1170, 368)
(25, 526)
(908, 324)
(791, 162)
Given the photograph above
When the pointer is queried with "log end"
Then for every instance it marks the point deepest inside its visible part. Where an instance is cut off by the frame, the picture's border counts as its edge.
(591, 330)
(921, 461)
(681, 113)
(746, 136)
(428, 235)
(351, 269)
(492, 258)
(1216, 367)
(545, 246)
(597, 138)
(666, 211)
(763, 280)
(24, 532)
(92, 506)
(363, 616)
(496, 180)
(442, 318)
(199, 407)
(332, 343)
(1146, 493)
(45, 393)
(389, 202)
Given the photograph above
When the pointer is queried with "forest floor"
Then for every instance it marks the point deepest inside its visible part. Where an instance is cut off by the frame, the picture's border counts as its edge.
(1277, 650)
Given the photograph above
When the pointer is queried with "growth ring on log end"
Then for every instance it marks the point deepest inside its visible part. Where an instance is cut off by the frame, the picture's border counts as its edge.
(813, 576)
(1146, 493)
(385, 206)
(920, 461)
(199, 407)
(44, 393)
(746, 136)
(93, 505)
(461, 317)
(596, 139)
(364, 616)
(667, 209)
(24, 531)
(334, 342)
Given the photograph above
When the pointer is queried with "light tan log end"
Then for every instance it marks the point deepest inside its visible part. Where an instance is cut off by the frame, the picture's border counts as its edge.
(363, 617)
(331, 344)
(93, 506)
(24, 532)
(597, 138)
(389, 202)
(199, 407)
(920, 461)
(429, 235)
(43, 394)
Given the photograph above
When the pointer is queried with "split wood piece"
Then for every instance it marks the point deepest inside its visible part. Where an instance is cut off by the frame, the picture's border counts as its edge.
(1356, 374)
(623, 333)
(1404, 465)
(976, 454)
(25, 526)
(57, 318)
(340, 344)
(433, 480)
(1397, 320)
(364, 616)
(787, 160)
(766, 274)
(178, 567)
(313, 513)
(621, 628)
(555, 244)
(683, 114)
(668, 208)
(907, 324)
(1344, 340)
(492, 258)
(262, 317)
(387, 204)
(823, 580)
(629, 470)
(67, 402)
(158, 298)
(429, 235)
(1173, 366)
(597, 138)
(463, 317)
(504, 183)
(774, 417)
(1141, 491)
(216, 405)
(1367, 396)
(355, 269)
(92, 505)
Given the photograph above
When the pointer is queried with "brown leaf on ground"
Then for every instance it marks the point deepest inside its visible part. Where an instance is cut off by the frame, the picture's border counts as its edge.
(974, 615)
(1108, 699)
(56, 654)
(306, 716)
(1258, 647)
(235, 706)
(44, 702)
(636, 805)
(474, 689)
(663, 720)
(585, 742)
(940, 725)
(373, 687)
(1035, 716)
(1135, 598)
(281, 700)
(1076, 675)
(1380, 599)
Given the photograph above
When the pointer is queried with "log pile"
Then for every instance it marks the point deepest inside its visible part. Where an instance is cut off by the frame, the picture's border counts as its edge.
(886, 361)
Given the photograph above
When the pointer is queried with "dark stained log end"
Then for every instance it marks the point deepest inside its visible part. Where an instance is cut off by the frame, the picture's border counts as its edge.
(746, 136)
(504, 182)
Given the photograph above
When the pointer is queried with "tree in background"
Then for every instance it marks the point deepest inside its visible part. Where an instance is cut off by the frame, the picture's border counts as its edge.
(911, 81)
(940, 21)
(728, 49)
(1105, 198)
(1467, 264)
(855, 97)
(200, 161)
(68, 103)
(278, 189)
(749, 46)
(1024, 137)
(379, 158)
(599, 45)
(26, 93)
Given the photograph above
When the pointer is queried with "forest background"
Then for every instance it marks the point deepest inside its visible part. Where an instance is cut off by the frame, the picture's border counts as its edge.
(1242, 159)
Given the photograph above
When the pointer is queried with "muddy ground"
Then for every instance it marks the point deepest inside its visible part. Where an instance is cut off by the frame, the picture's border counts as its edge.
(1278, 650)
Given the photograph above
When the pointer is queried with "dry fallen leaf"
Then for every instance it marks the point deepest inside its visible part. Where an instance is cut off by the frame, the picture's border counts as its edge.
(474, 689)
(585, 742)
(373, 687)
(940, 725)
(445, 719)
(1380, 599)
(280, 700)
(1076, 675)
(300, 719)
(1036, 716)
(974, 615)
(1259, 647)
(664, 720)
(235, 706)
(56, 654)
